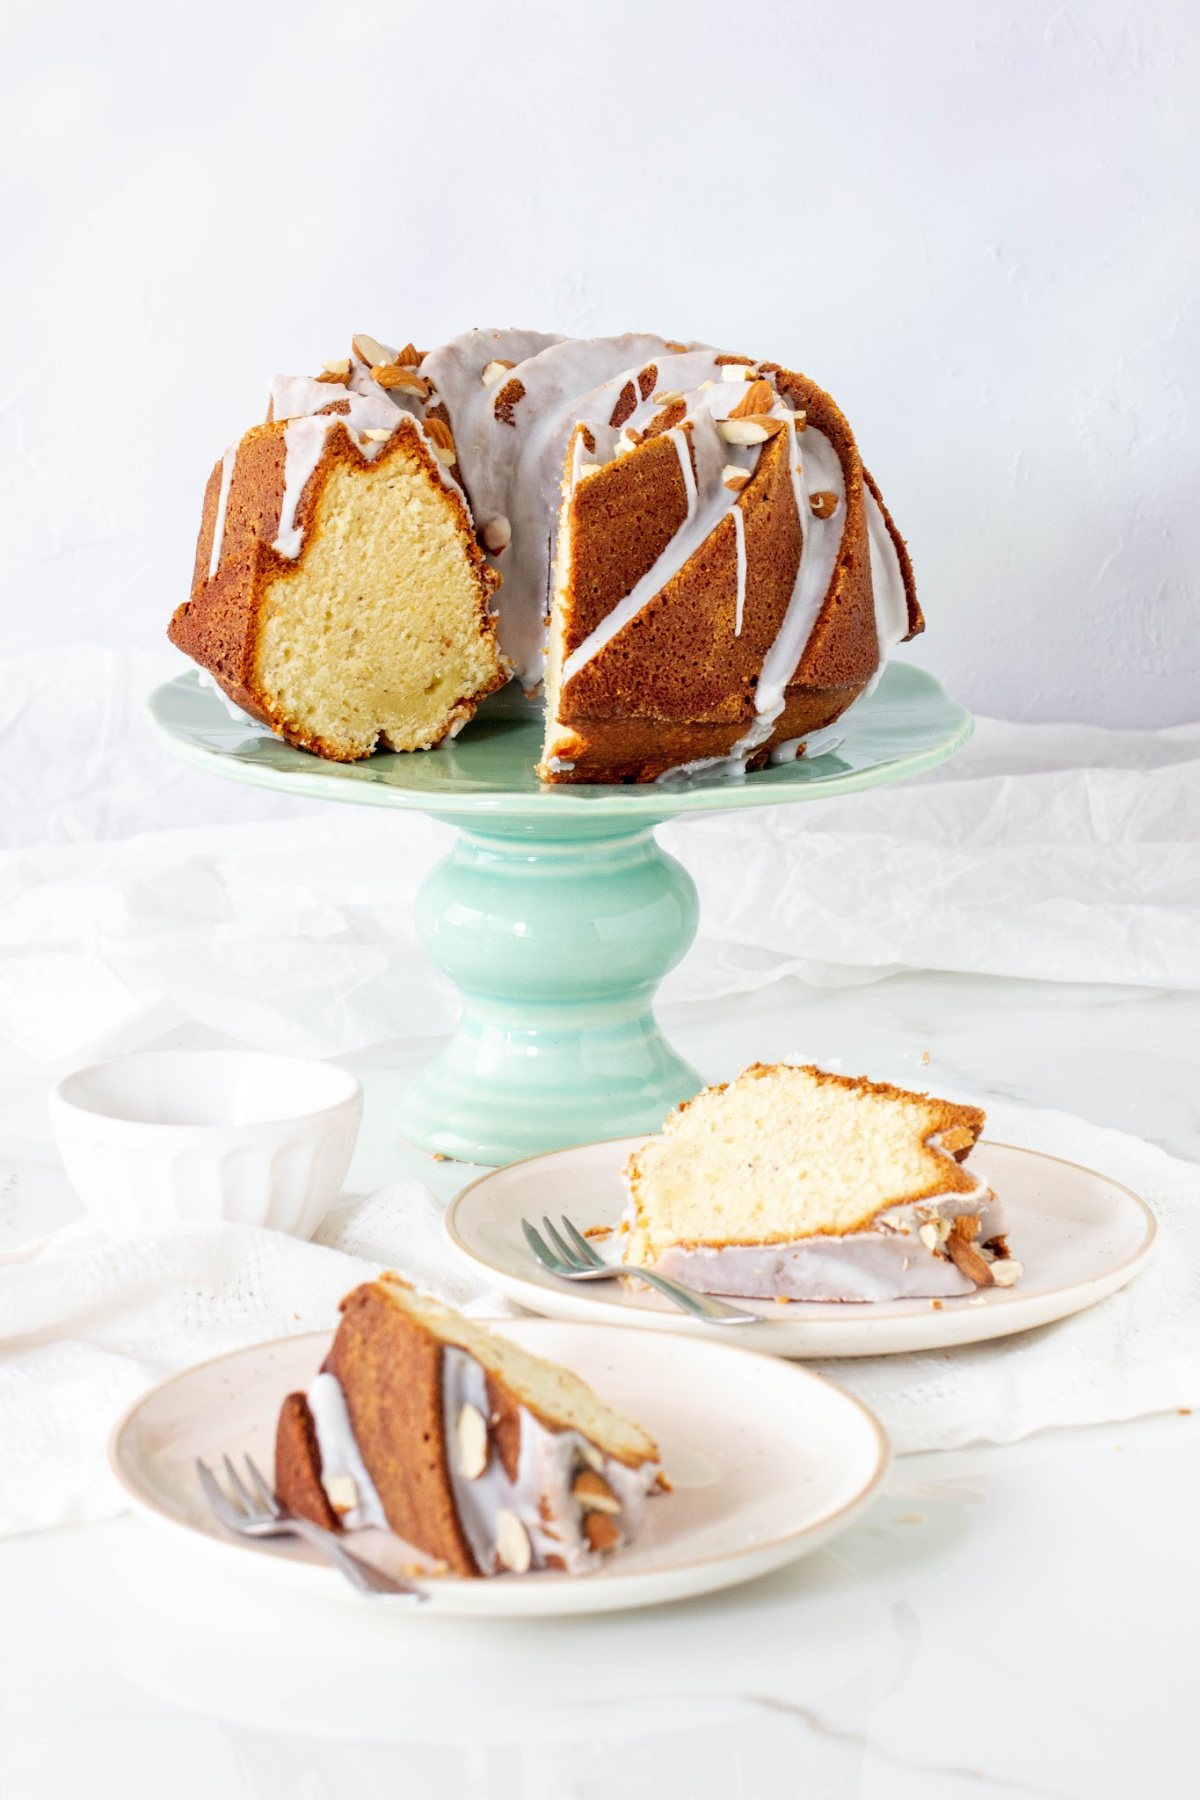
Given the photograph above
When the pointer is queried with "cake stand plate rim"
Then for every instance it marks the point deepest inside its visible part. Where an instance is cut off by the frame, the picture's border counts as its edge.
(193, 723)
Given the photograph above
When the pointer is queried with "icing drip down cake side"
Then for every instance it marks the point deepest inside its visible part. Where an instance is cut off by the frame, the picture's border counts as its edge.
(680, 547)
(484, 1458)
(794, 1184)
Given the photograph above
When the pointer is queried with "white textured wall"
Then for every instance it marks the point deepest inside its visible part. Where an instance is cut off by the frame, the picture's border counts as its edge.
(972, 220)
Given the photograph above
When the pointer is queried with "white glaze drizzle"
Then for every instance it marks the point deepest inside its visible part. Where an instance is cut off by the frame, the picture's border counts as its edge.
(540, 1494)
(708, 503)
(304, 445)
(516, 468)
(887, 581)
(340, 1454)
(820, 544)
(227, 464)
(298, 399)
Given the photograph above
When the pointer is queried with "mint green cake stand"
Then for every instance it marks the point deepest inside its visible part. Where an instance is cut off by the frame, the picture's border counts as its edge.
(556, 913)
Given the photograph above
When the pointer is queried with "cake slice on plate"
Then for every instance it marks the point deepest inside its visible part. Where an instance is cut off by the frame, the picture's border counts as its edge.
(794, 1184)
(478, 1454)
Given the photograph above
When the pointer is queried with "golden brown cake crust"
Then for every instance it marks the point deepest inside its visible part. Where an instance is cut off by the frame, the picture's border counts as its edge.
(219, 626)
(298, 1465)
(676, 683)
(390, 1371)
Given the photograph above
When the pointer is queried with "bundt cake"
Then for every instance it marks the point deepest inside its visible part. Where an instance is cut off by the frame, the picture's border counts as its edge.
(793, 1183)
(483, 1457)
(680, 545)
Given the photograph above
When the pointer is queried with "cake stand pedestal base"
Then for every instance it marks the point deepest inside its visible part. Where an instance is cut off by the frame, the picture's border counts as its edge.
(556, 934)
(556, 914)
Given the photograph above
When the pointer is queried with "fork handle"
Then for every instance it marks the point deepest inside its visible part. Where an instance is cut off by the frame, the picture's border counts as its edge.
(367, 1579)
(701, 1306)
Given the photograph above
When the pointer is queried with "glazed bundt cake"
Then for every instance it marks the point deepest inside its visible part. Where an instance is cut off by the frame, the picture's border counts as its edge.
(680, 546)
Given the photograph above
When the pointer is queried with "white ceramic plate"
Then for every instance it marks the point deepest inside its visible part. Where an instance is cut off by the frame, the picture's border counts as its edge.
(767, 1462)
(1079, 1235)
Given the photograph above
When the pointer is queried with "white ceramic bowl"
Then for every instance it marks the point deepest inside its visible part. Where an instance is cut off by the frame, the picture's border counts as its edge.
(207, 1134)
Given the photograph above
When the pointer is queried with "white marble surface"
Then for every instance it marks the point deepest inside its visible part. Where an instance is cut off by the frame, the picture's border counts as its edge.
(1006, 1620)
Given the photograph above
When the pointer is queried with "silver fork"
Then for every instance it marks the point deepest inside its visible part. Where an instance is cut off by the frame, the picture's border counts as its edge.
(261, 1515)
(577, 1261)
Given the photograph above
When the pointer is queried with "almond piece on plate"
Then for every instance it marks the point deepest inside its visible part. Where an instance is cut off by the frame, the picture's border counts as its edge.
(960, 1246)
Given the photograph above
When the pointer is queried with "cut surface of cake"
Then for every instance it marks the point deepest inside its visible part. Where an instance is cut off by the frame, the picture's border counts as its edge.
(793, 1183)
(681, 546)
(478, 1454)
(339, 594)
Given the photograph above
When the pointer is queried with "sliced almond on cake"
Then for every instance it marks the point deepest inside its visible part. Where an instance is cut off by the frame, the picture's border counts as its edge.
(441, 440)
(593, 1493)
(758, 398)
(600, 1531)
(472, 1432)
(399, 375)
(755, 429)
(370, 351)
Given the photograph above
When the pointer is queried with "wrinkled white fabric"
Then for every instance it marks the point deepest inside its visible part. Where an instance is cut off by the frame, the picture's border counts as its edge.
(1066, 853)
(86, 1326)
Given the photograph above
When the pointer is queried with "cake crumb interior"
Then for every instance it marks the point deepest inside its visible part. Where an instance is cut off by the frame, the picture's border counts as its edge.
(783, 1153)
(375, 637)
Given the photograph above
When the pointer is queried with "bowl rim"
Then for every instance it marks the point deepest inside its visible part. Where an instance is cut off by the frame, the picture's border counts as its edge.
(60, 1100)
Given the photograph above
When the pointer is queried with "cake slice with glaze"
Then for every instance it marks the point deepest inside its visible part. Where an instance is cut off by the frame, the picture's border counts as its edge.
(481, 1456)
(791, 1183)
(339, 595)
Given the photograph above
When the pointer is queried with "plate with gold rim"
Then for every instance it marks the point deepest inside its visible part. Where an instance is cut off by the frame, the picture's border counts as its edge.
(767, 1462)
(1078, 1234)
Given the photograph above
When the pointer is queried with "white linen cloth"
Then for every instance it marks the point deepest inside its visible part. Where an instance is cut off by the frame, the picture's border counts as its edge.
(85, 1326)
